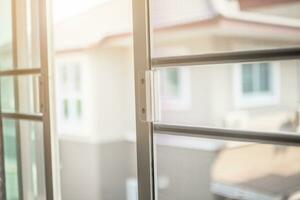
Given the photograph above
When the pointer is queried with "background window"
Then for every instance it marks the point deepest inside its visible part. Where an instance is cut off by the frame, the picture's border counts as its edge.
(66, 109)
(172, 83)
(256, 84)
(175, 88)
(256, 78)
(69, 86)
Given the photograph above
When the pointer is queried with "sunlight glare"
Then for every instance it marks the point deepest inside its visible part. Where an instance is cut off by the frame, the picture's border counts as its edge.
(63, 9)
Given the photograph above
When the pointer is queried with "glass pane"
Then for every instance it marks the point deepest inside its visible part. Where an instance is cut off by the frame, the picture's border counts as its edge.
(185, 27)
(6, 35)
(253, 96)
(27, 36)
(23, 142)
(20, 94)
(194, 168)
(11, 160)
(94, 99)
(33, 34)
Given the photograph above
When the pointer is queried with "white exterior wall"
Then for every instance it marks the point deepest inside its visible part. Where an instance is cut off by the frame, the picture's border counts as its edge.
(212, 91)
(108, 94)
(109, 91)
(112, 86)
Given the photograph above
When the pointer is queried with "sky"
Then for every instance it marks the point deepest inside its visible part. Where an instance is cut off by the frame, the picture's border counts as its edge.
(5, 22)
(63, 9)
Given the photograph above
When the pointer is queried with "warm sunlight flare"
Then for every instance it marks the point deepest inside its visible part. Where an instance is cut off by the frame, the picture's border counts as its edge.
(149, 99)
(63, 9)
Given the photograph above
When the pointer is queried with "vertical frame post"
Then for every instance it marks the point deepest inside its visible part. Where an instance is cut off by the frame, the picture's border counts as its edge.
(19, 39)
(44, 56)
(144, 128)
(2, 160)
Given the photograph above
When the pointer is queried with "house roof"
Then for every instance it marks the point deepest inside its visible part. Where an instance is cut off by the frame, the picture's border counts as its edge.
(113, 20)
(252, 4)
(240, 173)
(237, 166)
(269, 187)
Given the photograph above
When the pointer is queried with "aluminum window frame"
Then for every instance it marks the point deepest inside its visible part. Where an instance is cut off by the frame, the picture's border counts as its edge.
(143, 63)
(41, 30)
(144, 128)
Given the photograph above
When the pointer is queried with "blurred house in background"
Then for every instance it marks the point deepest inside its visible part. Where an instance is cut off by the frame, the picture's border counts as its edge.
(95, 100)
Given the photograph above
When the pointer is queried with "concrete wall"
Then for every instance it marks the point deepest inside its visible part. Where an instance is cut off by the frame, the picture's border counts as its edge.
(100, 171)
(96, 171)
(118, 165)
(188, 172)
(80, 170)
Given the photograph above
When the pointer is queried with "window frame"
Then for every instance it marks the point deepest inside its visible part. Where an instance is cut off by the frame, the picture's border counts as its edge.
(144, 65)
(41, 55)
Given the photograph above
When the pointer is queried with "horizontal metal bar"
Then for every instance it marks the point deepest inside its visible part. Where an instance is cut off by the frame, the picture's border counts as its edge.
(19, 72)
(281, 138)
(22, 116)
(230, 57)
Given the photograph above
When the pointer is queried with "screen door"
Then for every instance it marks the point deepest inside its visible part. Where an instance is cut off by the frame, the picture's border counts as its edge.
(25, 129)
(217, 99)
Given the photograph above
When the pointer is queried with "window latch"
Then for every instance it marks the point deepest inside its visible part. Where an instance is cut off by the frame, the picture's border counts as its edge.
(148, 95)
(41, 95)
